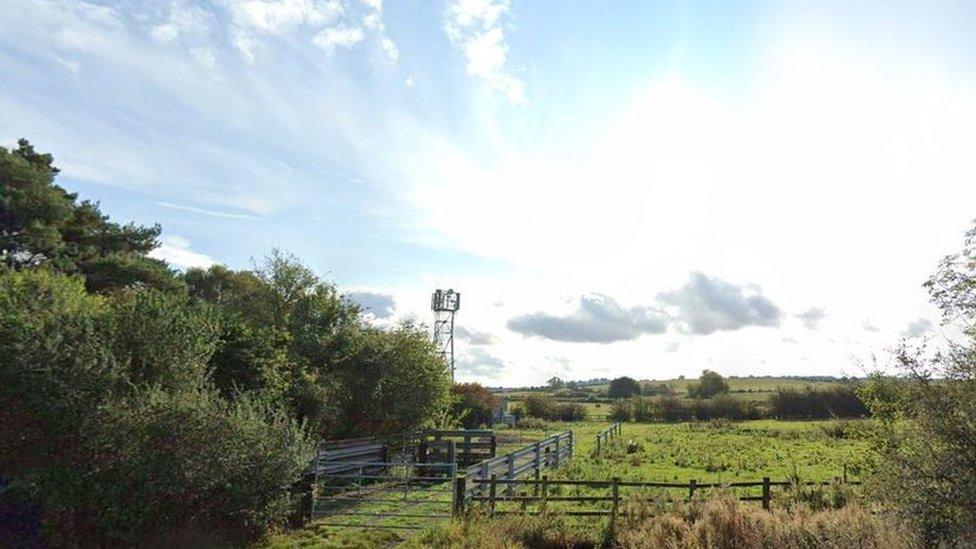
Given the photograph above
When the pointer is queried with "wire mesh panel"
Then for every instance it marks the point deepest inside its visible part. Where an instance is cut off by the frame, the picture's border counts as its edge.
(384, 495)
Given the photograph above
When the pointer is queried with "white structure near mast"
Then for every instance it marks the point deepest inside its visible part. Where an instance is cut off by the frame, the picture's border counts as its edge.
(445, 303)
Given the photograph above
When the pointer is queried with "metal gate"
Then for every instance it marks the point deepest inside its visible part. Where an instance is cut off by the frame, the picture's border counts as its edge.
(384, 494)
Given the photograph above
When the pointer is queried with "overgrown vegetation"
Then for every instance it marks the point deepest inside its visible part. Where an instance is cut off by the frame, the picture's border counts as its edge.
(718, 522)
(926, 437)
(140, 405)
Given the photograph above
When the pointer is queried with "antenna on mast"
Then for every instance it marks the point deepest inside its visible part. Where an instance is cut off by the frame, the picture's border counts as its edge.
(445, 303)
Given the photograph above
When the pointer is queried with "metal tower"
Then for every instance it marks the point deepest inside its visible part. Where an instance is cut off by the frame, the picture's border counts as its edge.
(445, 303)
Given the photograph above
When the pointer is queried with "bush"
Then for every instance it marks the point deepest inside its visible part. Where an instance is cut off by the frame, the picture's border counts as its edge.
(120, 444)
(657, 389)
(810, 403)
(623, 387)
(621, 411)
(531, 423)
(173, 467)
(709, 384)
(539, 405)
(474, 404)
(569, 411)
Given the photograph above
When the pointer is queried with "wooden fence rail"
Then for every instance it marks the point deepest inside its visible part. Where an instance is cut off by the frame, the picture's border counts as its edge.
(542, 492)
(607, 435)
(532, 459)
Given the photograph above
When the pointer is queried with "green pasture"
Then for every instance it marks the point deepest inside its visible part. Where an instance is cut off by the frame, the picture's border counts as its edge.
(707, 452)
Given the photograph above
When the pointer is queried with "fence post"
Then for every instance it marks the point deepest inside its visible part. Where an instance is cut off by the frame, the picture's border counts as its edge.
(616, 497)
(511, 475)
(315, 481)
(691, 488)
(545, 492)
(765, 496)
(538, 469)
(845, 473)
(460, 489)
(451, 452)
(494, 445)
(557, 451)
(491, 494)
(572, 442)
(598, 436)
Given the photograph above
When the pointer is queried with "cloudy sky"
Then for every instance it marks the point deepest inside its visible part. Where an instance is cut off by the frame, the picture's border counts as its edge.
(641, 188)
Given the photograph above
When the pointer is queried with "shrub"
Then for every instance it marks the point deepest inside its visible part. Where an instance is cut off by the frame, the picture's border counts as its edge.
(539, 405)
(120, 446)
(811, 403)
(172, 465)
(709, 384)
(623, 387)
(657, 389)
(531, 423)
(474, 404)
(569, 411)
(621, 411)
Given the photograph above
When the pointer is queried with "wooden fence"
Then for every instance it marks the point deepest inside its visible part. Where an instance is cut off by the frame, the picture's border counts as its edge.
(545, 493)
(606, 435)
(512, 467)
(464, 447)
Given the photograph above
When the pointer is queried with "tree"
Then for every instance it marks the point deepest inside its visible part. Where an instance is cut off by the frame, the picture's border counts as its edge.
(474, 404)
(555, 383)
(623, 387)
(927, 433)
(709, 384)
(290, 336)
(41, 224)
(539, 405)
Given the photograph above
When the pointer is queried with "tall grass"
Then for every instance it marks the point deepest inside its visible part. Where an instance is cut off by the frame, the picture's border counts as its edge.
(720, 522)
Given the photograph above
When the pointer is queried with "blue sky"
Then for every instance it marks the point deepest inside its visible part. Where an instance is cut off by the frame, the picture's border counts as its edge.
(641, 188)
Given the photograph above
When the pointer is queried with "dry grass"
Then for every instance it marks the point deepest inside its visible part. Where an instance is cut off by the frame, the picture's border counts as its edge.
(724, 522)
(718, 523)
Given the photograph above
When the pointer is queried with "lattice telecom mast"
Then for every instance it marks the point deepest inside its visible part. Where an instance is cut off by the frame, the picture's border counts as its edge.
(445, 303)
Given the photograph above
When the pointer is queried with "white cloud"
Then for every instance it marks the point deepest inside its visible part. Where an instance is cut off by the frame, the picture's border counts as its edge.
(811, 317)
(182, 20)
(204, 211)
(176, 251)
(338, 37)
(473, 26)
(205, 56)
(275, 17)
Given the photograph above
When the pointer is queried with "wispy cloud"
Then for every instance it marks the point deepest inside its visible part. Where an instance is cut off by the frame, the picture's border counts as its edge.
(811, 317)
(203, 211)
(475, 28)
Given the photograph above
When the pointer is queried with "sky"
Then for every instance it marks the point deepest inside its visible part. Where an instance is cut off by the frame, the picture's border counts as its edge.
(615, 188)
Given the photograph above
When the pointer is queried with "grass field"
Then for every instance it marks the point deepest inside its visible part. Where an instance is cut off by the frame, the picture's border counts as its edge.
(706, 452)
(814, 450)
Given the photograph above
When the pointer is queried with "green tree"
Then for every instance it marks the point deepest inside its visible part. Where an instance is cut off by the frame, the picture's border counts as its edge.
(111, 428)
(623, 387)
(927, 420)
(709, 384)
(288, 333)
(41, 224)
(555, 383)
